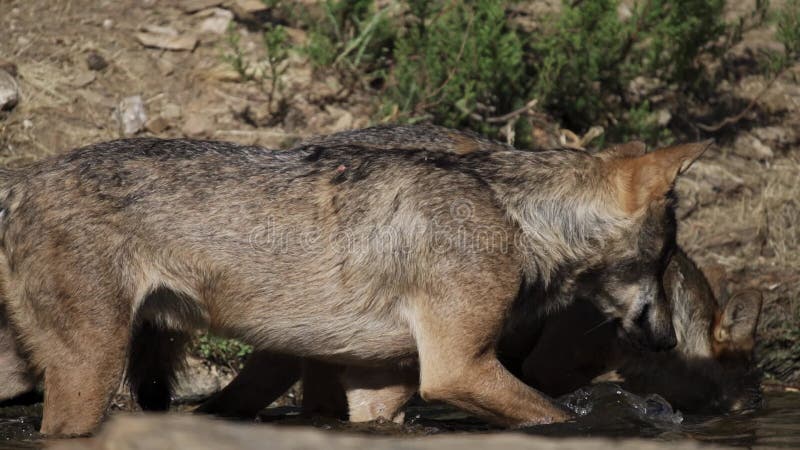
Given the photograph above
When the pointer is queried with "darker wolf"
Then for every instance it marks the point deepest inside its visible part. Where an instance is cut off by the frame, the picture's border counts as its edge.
(331, 253)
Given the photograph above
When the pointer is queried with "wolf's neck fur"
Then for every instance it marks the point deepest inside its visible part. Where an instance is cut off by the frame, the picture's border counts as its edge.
(560, 202)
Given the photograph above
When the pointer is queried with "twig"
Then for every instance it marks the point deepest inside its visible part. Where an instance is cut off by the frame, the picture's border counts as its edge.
(733, 119)
(513, 114)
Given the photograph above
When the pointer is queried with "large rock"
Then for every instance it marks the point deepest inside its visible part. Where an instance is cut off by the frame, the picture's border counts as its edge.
(199, 380)
(198, 433)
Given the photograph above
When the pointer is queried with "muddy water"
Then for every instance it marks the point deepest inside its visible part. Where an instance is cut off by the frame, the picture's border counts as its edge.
(603, 410)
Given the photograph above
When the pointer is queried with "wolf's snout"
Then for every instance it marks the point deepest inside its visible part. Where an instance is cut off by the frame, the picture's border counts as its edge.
(653, 331)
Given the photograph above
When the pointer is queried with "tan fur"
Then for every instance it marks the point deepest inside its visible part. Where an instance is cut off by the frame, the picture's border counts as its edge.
(280, 250)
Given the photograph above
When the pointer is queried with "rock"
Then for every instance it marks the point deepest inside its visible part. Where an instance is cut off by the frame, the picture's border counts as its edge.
(191, 6)
(171, 111)
(159, 431)
(750, 147)
(131, 115)
(776, 136)
(95, 61)
(218, 21)
(108, 24)
(157, 125)
(199, 380)
(197, 125)
(663, 116)
(83, 79)
(165, 66)
(248, 10)
(9, 91)
(222, 72)
(166, 38)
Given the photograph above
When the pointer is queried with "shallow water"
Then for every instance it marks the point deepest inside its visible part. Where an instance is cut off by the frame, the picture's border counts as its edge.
(603, 410)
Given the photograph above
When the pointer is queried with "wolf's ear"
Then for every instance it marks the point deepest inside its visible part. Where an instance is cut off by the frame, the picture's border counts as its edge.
(643, 179)
(736, 325)
(717, 278)
(624, 150)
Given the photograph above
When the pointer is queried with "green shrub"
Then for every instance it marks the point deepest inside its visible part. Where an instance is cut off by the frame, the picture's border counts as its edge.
(464, 64)
(588, 56)
(272, 65)
(225, 352)
(456, 63)
(352, 36)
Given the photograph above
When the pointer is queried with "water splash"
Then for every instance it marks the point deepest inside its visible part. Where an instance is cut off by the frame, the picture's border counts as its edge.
(608, 398)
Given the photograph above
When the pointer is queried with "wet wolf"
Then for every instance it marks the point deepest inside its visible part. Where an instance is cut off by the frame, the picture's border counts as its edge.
(362, 258)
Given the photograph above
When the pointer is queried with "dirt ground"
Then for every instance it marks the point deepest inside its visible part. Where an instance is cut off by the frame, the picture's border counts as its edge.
(74, 62)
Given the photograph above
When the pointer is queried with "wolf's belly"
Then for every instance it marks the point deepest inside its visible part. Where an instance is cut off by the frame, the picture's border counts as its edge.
(337, 331)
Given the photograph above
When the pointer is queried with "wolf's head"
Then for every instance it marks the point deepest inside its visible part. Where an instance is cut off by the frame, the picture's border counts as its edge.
(627, 284)
(714, 355)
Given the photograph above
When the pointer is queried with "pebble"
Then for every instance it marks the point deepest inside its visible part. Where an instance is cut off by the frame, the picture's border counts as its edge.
(95, 61)
(131, 115)
(196, 125)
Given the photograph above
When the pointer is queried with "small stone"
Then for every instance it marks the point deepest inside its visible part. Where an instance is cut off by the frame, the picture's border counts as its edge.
(157, 125)
(166, 38)
(171, 111)
(131, 115)
(165, 66)
(247, 10)
(95, 61)
(218, 22)
(774, 135)
(190, 6)
(108, 24)
(250, 6)
(663, 116)
(27, 124)
(9, 91)
(197, 125)
(83, 79)
(750, 147)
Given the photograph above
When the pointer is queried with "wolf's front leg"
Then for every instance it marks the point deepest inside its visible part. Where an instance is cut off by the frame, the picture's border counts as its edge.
(456, 341)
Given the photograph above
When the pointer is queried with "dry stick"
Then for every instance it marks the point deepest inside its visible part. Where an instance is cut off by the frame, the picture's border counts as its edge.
(733, 119)
(513, 114)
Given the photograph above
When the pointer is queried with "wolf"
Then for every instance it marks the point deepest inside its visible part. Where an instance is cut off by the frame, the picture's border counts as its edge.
(576, 349)
(330, 253)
